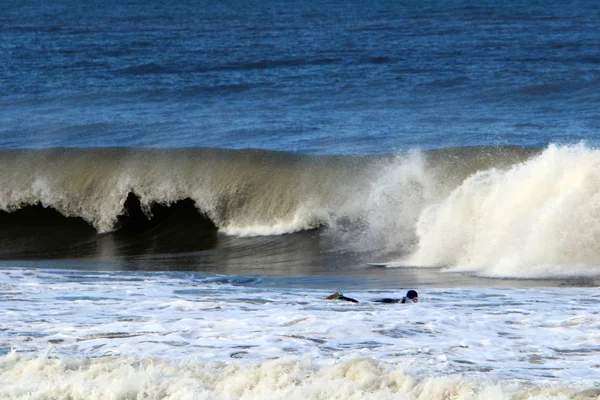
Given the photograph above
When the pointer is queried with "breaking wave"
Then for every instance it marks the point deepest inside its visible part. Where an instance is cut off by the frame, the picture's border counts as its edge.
(536, 219)
(245, 192)
(494, 211)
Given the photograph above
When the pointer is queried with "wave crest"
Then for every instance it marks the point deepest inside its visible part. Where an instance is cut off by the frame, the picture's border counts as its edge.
(499, 212)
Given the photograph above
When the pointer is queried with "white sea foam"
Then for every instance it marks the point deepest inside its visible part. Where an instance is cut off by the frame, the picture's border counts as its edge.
(110, 378)
(122, 335)
(539, 218)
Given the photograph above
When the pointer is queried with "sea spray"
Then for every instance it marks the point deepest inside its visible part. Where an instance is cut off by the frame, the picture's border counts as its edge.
(538, 218)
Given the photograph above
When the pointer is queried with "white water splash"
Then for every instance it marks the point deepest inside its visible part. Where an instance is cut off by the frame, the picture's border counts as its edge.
(540, 218)
(126, 335)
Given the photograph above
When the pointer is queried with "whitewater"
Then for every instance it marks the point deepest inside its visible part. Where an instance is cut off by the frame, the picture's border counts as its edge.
(115, 335)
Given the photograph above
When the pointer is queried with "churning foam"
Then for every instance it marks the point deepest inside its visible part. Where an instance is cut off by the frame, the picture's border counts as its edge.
(124, 335)
(538, 218)
(115, 378)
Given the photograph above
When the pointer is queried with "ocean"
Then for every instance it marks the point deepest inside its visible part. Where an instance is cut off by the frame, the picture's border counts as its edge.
(183, 183)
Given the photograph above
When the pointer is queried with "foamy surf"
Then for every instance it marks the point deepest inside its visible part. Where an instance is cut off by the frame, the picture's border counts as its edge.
(117, 335)
(119, 378)
(536, 219)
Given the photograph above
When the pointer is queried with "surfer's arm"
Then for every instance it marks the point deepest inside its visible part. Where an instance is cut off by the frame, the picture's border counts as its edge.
(339, 296)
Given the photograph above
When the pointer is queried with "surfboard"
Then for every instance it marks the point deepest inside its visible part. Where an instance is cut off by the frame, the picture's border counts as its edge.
(377, 265)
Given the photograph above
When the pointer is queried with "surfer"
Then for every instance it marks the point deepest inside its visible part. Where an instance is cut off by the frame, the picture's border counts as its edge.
(411, 297)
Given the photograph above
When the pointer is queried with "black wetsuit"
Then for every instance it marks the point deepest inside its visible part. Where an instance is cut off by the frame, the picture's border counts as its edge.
(386, 300)
(405, 299)
(342, 297)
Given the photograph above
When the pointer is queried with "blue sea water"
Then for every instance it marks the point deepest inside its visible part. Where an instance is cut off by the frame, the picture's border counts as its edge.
(324, 77)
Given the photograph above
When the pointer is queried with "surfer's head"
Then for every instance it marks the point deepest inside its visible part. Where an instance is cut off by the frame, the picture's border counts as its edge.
(412, 295)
